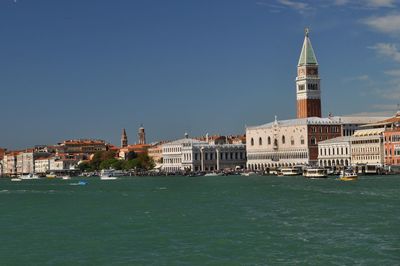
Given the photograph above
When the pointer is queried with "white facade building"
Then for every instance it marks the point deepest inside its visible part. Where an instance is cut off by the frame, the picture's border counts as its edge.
(288, 142)
(335, 152)
(367, 147)
(10, 163)
(194, 155)
(57, 164)
(42, 165)
(172, 154)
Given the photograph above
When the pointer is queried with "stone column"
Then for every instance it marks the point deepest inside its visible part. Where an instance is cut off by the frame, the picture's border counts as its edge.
(218, 167)
(202, 158)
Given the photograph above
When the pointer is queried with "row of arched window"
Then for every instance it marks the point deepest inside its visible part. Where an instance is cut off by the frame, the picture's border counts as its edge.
(278, 156)
(283, 141)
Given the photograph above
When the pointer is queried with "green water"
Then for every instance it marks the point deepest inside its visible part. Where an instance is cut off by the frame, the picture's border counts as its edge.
(201, 221)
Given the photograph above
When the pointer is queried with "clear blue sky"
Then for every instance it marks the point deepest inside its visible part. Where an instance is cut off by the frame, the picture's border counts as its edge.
(79, 69)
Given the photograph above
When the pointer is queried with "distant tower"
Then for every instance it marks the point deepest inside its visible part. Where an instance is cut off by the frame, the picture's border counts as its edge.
(308, 82)
(142, 135)
(124, 139)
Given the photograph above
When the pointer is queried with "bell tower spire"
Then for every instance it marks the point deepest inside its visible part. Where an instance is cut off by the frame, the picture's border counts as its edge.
(142, 135)
(308, 81)
(124, 139)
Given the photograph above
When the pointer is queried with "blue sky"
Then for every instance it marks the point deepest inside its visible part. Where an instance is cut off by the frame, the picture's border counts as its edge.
(80, 69)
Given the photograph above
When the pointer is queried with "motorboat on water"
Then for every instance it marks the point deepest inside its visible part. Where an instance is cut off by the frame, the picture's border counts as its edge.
(248, 174)
(110, 174)
(292, 171)
(348, 175)
(315, 172)
(29, 177)
(214, 174)
(51, 175)
(66, 177)
(16, 179)
(80, 183)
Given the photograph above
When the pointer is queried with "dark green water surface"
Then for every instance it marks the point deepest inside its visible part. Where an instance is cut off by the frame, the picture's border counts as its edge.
(201, 221)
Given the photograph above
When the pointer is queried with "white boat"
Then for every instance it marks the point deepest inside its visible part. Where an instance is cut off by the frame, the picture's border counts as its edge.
(66, 177)
(248, 174)
(110, 174)
(108, 177)
(29, 177)
(16, 179)
(315, 173)
(273, 172)
(292, 171)
(214, 174)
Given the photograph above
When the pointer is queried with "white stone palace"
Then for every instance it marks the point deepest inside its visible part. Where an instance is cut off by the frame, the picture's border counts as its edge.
(194, 155)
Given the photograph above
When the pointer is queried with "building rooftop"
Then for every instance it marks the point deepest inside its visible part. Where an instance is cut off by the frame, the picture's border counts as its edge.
(368, 132)
(333, 120)
(299, 122)
(336, 140)
(185, 140)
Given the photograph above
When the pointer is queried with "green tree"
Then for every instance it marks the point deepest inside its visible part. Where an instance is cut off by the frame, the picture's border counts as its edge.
(131, 155)
(110, 163)
(100, 157)
(145, 162)
(85, 167)
(118, 164)
(131, 164)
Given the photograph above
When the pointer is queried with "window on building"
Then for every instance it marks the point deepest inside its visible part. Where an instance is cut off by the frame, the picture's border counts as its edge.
(283, 139)
(269, 140)
(260, 141)
(302, 140)
(252, 142)
(292, 141)
(313, 140)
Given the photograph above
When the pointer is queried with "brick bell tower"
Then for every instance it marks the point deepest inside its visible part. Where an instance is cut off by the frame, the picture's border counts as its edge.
(308, 82)
(124, 139)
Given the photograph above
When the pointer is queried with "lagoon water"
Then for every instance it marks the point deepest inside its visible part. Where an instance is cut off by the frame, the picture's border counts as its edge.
(201, 221)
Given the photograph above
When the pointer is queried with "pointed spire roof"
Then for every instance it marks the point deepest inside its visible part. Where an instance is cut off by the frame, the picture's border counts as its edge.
(307, 56)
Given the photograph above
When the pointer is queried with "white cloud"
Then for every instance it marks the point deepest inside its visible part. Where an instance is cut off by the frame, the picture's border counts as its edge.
(373, 114)
(386, 24)
(361, 78)
(341, 2)
(300, 6)
(385, 107)
(393, 72)
(388, 50)
(391, 93)
(278, 5)
(381, 3)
